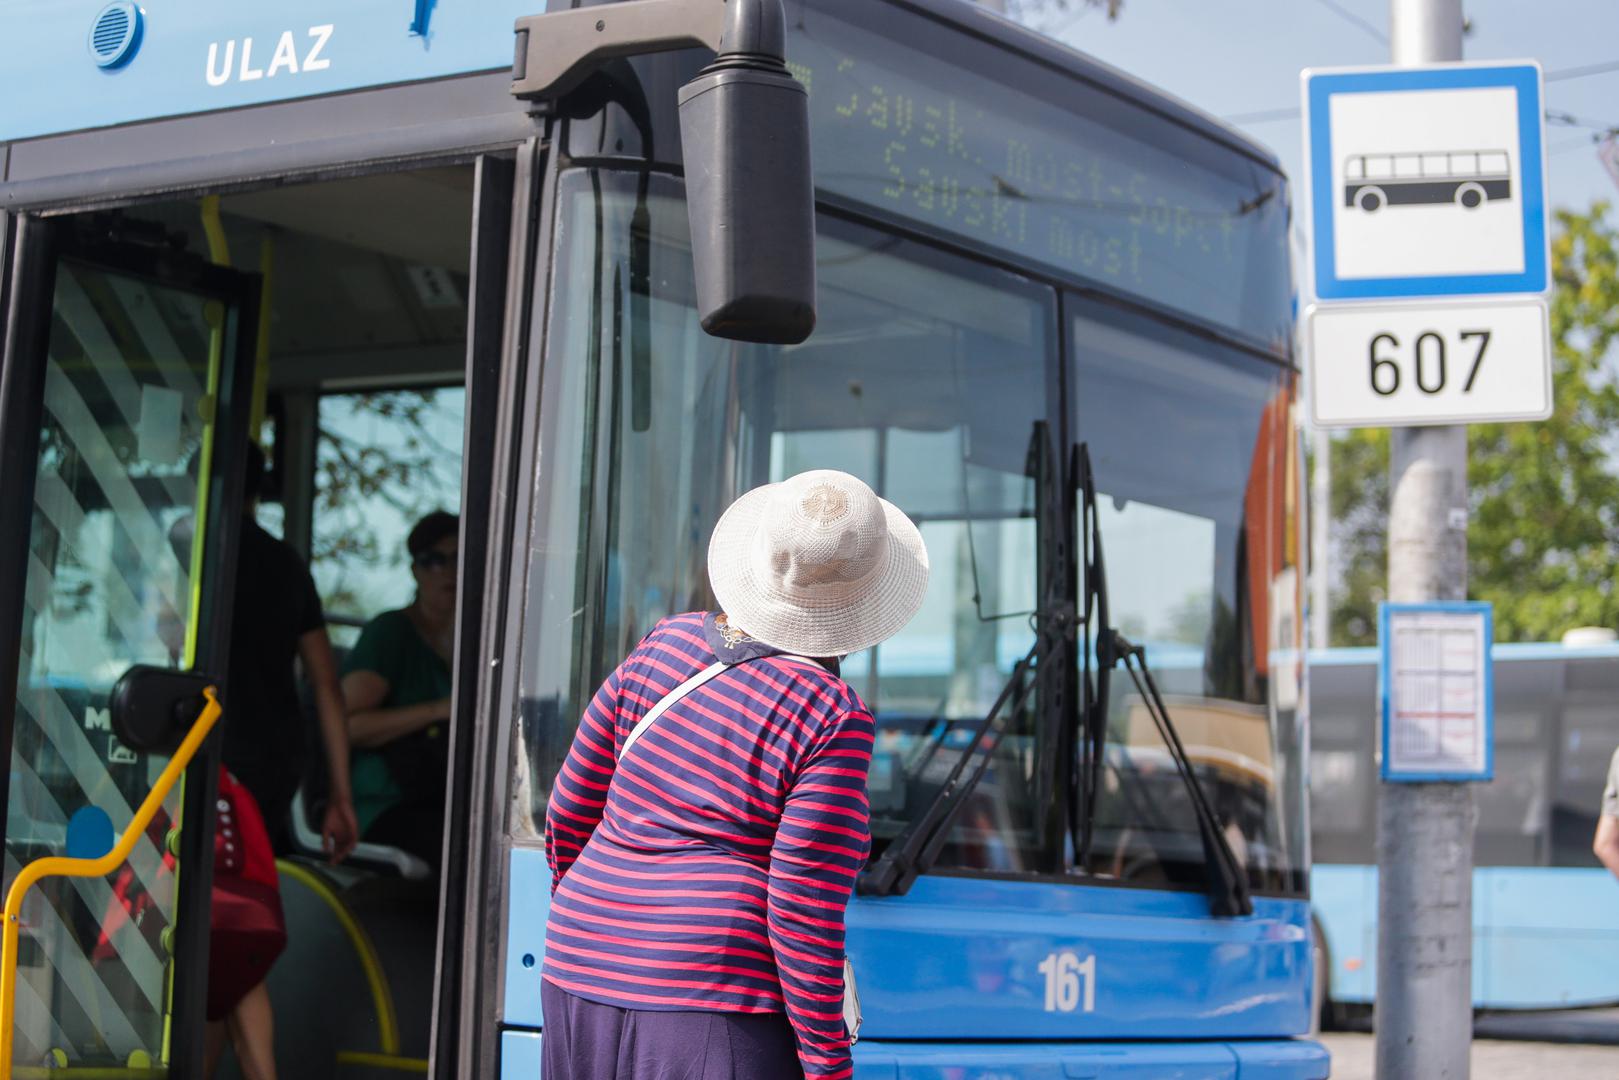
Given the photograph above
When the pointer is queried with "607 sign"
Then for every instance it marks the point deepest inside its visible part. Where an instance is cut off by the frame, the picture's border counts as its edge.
(1456, 362)
(1426, 361)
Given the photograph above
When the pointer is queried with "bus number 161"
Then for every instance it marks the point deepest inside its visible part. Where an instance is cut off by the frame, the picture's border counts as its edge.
(1063, 972)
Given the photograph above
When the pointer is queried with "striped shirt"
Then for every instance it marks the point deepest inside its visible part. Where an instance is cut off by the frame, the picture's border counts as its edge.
(711, 868)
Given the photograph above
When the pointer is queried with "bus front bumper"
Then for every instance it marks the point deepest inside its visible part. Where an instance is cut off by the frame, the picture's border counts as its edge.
(1282, 1059)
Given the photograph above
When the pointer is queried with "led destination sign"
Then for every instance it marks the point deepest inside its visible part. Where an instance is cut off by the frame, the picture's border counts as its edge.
(1097, 187)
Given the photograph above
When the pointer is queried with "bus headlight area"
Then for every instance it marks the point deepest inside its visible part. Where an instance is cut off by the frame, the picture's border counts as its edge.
(416, 292)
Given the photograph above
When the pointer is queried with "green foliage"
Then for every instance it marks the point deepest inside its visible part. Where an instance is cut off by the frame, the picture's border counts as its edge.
(381, 465)
(1544, 498)
(1360, 499)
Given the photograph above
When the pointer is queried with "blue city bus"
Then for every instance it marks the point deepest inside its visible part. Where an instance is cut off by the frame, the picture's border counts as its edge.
(1545, 924)
(1054, 315)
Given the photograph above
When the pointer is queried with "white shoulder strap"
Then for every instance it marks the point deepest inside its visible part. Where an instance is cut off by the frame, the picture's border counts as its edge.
(681, 691)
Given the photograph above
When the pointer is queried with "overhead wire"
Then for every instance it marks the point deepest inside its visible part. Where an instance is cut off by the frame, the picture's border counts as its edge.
(1349, 16)
(1566, 119)
(1264, 116)
(1553, 116)
(1582, 72)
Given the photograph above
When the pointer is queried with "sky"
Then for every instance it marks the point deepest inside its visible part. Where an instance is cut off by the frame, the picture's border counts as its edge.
(1240, 60)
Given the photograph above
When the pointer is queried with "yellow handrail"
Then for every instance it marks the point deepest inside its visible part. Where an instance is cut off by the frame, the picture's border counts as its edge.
(377, 979)
(57, 866)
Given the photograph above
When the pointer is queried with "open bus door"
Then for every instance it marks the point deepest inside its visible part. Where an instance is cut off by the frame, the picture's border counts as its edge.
(125, 389)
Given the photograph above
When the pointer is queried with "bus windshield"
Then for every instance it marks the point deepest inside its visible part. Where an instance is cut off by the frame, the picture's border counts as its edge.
(933, 378)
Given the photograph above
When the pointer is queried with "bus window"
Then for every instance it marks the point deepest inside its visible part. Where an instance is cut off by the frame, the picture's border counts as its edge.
(1343, 775)
(926, 377)
(384, 460)
(1184, 439)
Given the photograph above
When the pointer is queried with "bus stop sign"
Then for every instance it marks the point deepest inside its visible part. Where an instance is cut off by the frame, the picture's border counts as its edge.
(1427, 205)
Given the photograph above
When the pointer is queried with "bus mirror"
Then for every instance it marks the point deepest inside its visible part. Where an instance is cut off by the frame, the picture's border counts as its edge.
(152, 708)
(744, 126)
(744, 123)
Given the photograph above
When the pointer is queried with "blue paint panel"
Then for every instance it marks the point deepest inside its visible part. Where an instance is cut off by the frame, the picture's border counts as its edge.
(1345, 901)
(1543, 937)
(1501, 652)
(1347, 909)
(1296, 1060)
(959, 1061)
(1525, 79)
(1271, 1060)
(1548, 937)
(519, 1055)
(1346, 657)
(44, 62)
(529, 904)
(969, 947)
(875, 1060)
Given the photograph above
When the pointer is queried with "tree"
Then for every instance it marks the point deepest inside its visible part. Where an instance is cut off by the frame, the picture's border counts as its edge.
(1544, 497)
(384, 460)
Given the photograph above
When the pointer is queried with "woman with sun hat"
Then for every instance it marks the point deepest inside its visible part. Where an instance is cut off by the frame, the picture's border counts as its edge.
(706, 828)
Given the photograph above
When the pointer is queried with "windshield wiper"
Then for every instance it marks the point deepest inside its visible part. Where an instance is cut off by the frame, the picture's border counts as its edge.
(914, 851)
(1227, 880)
(1094, 691)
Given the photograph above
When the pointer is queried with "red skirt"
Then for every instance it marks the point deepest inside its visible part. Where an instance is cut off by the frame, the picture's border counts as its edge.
(248, 930)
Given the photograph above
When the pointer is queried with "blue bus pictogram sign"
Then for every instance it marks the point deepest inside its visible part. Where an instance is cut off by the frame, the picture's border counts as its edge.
(1426, 182)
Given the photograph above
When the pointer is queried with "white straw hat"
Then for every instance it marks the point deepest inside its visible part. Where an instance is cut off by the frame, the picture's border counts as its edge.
(817, 565)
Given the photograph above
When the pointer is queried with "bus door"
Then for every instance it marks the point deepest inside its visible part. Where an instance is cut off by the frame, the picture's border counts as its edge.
(124, 395)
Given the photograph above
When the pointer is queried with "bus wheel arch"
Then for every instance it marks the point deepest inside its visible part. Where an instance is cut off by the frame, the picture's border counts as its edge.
(1471, 196)
(1371, 199)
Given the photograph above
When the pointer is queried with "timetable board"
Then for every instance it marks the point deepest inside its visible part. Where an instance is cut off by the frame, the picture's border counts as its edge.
(1437, 691)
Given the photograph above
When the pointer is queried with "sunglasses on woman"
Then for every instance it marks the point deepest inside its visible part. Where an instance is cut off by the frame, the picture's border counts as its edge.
(435, 560)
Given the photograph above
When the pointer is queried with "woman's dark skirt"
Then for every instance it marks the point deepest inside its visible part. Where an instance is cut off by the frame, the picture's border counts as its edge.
(584, 1040)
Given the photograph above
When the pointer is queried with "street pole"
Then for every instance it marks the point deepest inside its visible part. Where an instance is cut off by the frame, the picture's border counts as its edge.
(1321, 540)
(1424, 1016)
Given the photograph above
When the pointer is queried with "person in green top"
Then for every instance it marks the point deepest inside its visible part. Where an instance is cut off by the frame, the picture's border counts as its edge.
(396, 683)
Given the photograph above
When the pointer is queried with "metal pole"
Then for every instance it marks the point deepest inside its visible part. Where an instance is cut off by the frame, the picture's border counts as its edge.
(1321, 541)
(1424, 1013)
(994, 5)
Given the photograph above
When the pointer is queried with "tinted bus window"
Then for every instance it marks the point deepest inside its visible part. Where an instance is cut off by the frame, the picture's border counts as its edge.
(384, 460)
(1191, 445)
(926, 377)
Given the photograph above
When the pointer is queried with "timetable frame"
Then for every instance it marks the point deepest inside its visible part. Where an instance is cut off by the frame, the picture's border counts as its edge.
(1436, 692)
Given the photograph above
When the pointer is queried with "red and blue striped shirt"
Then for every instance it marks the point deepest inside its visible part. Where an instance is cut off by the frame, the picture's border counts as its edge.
(711, 868)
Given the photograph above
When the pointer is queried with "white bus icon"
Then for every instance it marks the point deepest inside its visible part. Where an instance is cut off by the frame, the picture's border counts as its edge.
(1467, 178)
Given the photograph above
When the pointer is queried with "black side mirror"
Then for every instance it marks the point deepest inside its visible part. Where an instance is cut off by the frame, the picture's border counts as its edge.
(744, 124)
(152, 708)
(744, 127)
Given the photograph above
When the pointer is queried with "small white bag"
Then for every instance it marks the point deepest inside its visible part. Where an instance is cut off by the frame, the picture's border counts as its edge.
(851, 1002)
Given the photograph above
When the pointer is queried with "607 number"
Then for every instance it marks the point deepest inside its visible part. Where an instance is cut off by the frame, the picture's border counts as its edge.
(1429, 365)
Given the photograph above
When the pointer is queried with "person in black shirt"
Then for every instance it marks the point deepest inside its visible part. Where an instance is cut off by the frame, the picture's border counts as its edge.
(278, 618)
